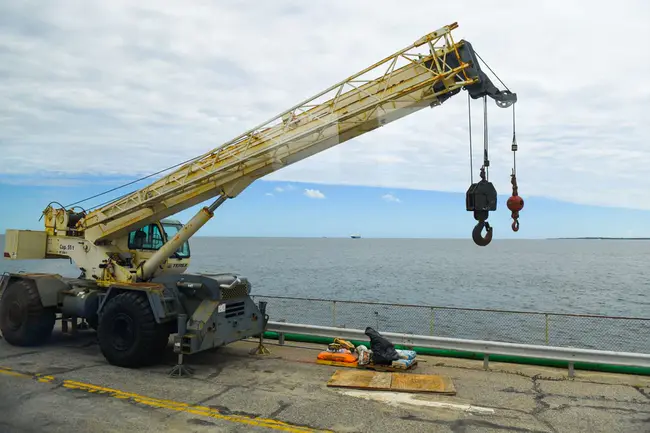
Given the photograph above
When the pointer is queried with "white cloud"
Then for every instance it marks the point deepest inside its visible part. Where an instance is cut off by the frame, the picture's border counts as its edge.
(314, 193)
(287, 187)
(390, 198)
(268, 194)
(82, 84)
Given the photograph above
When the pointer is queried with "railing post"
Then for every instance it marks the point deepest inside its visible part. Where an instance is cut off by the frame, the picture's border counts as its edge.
(571, 369)
(281, 334)
(486, 361)
(334, 313)
(431, 323)
(546, 318)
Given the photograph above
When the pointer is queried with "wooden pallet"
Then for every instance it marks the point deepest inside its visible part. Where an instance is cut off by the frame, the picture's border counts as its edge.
(388, 367)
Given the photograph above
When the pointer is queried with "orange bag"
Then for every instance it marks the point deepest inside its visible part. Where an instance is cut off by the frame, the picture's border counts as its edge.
(337, 357)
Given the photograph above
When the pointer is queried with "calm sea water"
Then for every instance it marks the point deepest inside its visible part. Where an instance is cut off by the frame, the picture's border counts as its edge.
(572, 276)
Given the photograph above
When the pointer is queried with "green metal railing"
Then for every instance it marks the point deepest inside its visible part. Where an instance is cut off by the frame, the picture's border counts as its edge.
(624, 334)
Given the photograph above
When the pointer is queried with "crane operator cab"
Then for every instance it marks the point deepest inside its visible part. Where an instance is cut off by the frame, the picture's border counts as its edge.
(146, 240)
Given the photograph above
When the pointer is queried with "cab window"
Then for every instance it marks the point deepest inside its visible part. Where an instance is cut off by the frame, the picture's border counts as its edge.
(170, 231)
(146, 238)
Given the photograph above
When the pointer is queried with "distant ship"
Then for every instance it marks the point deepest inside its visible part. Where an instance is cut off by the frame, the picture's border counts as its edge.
(355, 236)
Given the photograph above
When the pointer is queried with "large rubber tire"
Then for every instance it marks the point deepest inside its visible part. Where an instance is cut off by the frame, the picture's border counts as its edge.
(128, 333)
(23, 319)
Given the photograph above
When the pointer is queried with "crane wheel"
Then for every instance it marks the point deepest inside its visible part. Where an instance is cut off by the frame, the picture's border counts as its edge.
(23, 319)
(128, 333)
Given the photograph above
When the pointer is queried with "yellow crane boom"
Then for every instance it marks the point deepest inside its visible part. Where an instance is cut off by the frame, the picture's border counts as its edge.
(373, 97)
(127, 240)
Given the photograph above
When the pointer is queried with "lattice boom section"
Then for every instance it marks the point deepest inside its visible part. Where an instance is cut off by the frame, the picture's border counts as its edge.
(390, 89)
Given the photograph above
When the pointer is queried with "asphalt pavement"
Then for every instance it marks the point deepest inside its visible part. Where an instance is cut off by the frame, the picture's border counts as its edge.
(68, 386)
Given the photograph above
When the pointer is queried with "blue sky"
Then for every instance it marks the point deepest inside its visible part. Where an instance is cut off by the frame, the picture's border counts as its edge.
(96, 93)
(299, 209)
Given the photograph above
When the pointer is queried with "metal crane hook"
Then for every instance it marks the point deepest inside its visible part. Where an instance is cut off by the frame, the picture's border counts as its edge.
(478, 237)
(515, 225)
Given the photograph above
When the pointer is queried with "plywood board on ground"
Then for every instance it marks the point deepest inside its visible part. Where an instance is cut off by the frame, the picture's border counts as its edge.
(402, 382)
(422, 383)
(360, 379)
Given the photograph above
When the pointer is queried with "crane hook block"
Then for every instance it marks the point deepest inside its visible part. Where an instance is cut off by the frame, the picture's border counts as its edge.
(477, 235)
(481, 198)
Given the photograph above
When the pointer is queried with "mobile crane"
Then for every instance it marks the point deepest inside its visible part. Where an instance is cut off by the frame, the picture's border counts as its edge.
(133, 288)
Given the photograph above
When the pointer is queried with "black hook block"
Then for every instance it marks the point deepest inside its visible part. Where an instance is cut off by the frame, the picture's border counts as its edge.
(481, 198)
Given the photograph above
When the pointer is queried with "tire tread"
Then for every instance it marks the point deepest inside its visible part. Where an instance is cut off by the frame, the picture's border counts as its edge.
(40, 322)
(148, 336)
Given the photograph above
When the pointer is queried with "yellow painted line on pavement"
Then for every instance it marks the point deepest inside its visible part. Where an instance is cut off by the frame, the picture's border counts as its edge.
(10, 372)
(164, 404)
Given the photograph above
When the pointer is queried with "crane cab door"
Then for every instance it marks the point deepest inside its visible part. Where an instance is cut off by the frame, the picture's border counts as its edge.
(148, 239)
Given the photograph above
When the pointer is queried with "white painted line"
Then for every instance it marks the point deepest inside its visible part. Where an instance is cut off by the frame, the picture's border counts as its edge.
(398, 398)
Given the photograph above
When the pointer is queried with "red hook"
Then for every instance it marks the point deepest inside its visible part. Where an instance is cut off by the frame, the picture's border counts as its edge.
(515, 225)
(515, 203)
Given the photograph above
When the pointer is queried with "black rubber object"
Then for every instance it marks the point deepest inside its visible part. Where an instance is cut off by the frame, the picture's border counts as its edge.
(128, 333)
(23, 319)
(383, 351)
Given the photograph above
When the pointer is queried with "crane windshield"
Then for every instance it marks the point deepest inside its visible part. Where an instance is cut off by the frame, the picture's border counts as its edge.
(170, 231)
